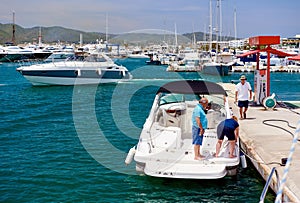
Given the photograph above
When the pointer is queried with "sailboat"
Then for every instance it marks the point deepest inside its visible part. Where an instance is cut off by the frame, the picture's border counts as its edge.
(213, 67)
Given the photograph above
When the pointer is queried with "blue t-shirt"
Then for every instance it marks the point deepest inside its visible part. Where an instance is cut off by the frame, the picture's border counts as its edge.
(229, 123)
(199, 112)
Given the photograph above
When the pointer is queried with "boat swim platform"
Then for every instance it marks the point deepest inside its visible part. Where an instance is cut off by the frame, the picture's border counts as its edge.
(266, 145)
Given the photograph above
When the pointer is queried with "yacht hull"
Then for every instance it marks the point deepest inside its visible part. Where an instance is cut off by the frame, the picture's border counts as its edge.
(46, 81)
(216, 69)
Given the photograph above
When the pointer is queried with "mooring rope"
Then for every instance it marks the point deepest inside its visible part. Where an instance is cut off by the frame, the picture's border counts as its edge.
(287, 166)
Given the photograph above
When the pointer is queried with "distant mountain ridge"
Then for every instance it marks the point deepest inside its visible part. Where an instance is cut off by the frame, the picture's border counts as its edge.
(49, 34)
(60, 34)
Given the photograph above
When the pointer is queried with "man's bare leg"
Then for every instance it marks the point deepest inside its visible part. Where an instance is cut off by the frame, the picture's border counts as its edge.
(241, 112)
(197, 152)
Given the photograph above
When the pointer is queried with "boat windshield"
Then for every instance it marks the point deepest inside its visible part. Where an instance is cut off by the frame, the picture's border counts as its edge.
(171, 98)
(216, 101)
(95, 58)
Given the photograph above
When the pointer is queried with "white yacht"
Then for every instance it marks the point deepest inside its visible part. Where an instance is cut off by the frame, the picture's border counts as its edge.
(94, 69)
(190, 63)
(214, 68)
(16, 53)
(138, 54)
(165, 145)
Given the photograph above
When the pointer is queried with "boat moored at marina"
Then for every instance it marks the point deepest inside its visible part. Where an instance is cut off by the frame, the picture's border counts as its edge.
(214, 68)
(94, 69)
(165, 145)
(16, 53)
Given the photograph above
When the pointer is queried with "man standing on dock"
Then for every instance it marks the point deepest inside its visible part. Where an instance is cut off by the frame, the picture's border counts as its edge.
(242, 93)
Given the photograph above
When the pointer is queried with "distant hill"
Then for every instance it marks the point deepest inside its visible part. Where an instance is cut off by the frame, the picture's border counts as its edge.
(49, 34)
(57, 33)
(148, 39)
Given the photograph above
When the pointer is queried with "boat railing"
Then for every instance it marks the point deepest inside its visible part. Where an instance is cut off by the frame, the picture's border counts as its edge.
(29, 62)
(268, 182)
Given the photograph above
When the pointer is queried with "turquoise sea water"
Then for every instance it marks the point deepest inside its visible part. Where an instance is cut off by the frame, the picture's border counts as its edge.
(68, 144)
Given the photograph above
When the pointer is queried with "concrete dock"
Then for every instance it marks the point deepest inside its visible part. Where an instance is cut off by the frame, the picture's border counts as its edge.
(266, 145)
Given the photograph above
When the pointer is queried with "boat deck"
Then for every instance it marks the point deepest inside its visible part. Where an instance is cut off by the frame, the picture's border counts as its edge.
(267, 145)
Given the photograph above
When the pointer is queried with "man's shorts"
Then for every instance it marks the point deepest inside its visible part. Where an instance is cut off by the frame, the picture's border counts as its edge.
(224, 131)
(243, 103)
(197, 139)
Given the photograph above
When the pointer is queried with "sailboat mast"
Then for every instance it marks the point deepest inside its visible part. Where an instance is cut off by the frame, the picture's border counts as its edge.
(106, 28)
(210, 25)
(194, 38)
(176, 42)
(204, 35)
(220, 11)
(217, 26)
(80, 40)
(14, 30)
(40, 37)
(235, 30)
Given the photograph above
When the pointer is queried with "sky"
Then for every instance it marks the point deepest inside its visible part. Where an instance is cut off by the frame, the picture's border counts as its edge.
(253, 17)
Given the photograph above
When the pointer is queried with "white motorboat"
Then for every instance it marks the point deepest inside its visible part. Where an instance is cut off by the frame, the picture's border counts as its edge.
(214, 68)
(138, 55)
(94, 69)
(165, 145)
(16, 53)
(190, 63)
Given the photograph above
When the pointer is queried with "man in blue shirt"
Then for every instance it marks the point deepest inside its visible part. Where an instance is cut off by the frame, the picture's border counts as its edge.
(230, 129)
(199, 121)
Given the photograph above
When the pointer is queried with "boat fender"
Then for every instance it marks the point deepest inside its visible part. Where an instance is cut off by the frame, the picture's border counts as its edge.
(78, 72)
(243, 160)
(130, 155)
(98, 71)
(123, 73)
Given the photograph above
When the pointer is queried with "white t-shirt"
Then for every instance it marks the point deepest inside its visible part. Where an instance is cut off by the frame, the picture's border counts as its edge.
(243, 91)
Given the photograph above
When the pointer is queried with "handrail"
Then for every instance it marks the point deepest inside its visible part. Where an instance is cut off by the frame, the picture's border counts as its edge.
(268, 182)
(287, 166)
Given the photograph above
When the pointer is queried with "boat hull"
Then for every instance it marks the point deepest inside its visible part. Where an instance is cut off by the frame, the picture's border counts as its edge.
(46, 81)
(73, 76)
(215, 70)
(14, 57)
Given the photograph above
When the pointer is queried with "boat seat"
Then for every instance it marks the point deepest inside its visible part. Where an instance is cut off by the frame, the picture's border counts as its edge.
(170, 118)
(213, 118)
(186, 125)
(209, 143)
